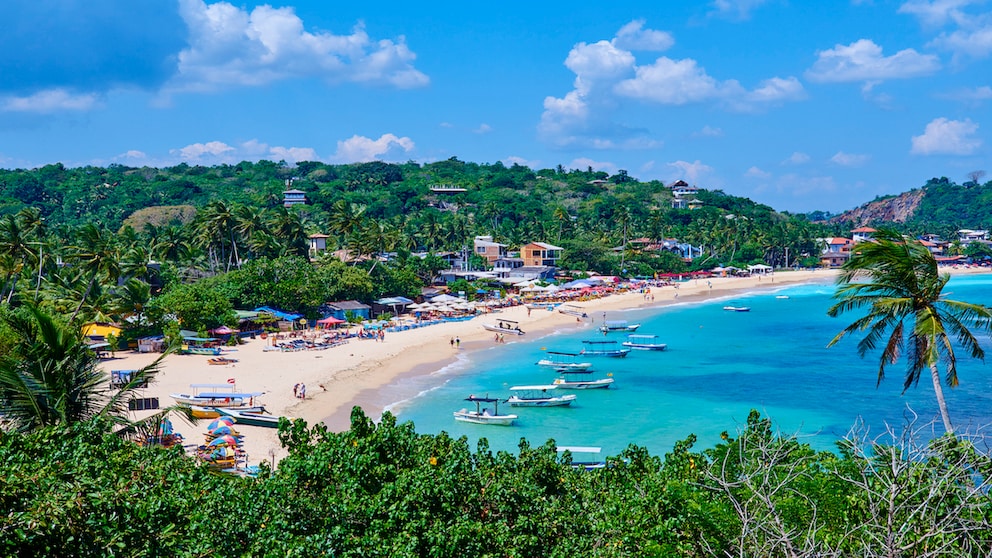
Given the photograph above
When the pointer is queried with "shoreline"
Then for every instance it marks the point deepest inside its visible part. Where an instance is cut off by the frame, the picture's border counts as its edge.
(373, 375)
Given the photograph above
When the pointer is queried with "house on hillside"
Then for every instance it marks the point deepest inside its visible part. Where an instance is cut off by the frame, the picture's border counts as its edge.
(540, 254)
(680, 188)
(485, 246)
(504, 267)
(293, 197)
(967, 236)
(318, 244)
(862, 234)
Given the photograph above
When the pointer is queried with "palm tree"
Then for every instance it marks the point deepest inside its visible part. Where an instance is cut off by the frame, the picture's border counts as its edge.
(52, 378)
(903, 296)
(96, 257)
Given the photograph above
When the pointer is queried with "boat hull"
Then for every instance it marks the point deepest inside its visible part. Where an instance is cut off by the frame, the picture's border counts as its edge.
(565, 365)
(498, 329)
(559, 401)
(201, 412)
(591, 384)
(476, 418)
(645, 346)
(610, 354)
(251, 418)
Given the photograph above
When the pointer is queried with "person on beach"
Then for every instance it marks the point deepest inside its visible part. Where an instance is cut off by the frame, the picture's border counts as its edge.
(452, 341)
(458, 342)
(296, 389)
(303, 391)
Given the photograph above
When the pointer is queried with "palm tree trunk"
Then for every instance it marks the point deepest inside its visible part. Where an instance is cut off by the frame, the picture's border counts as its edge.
(83, 300)
(939, 392)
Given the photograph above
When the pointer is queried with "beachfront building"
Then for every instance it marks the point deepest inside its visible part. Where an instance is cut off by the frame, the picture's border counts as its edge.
(485, 246)
(680, 189)
(862, 234)
(342, 309)
(100, 330)
(540, 254)
(967, 236)
(504, 267)
(836, 251)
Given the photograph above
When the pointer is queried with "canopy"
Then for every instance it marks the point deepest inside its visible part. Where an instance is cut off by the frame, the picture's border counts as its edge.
(220, 421)
(223, 441)
(445, 298)
(330, 320)
(279, 313)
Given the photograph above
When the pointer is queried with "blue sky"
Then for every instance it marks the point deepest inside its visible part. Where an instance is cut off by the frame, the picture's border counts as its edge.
(799, 105)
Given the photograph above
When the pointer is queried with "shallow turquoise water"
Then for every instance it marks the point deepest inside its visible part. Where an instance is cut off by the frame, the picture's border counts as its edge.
(719, 365)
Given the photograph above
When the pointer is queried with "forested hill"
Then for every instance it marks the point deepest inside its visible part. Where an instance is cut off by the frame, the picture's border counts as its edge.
(939, 207)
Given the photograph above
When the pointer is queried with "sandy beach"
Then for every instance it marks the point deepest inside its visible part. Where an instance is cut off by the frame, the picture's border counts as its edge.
(361, 371)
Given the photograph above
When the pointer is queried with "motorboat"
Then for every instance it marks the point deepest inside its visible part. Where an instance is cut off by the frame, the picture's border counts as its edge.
(564, 361)
(508, 327)
(482, 415)
(585, 451)
(644, 343)
(605, 349)
(737, 308)
(581, 379)
(538, 396)
(250, 417)
(618, 325)
(216, 395)
(222, 361)
(200, 412)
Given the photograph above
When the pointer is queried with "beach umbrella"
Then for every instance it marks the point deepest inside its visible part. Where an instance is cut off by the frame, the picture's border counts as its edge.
(165, 427)
(222, 421)
(223, 430)
(223, 441)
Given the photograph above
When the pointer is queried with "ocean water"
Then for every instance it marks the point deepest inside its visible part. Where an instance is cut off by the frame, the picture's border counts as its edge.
(718, 366)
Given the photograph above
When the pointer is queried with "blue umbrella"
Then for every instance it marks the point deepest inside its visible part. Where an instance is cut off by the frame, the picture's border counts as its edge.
(222, 421)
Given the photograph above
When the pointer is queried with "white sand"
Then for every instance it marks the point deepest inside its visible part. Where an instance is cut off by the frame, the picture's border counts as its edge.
(357, 373)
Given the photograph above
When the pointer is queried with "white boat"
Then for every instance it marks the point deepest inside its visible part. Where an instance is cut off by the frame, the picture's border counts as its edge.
(581, 379)
(250, 417)
(618, 325)
(538, 396)
(604, 348)
(782, 296)
(213, 412)
(644, 343)
(564, 361)
(508, 327)
(585, 463)
(216, 395)
(483, 415)
(572, 311)
(737, 308)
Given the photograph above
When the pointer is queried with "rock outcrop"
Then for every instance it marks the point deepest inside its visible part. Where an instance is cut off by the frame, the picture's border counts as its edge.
(896, 209)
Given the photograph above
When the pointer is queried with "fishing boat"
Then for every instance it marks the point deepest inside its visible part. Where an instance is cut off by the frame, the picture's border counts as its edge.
(542, 305)
(586, 452)
(564, 361)
(604, 349)
(782, 297)
(737, 308)
(644, 343)
(483, 415)
(215, 395)
(581, 379)
(538, 396)
(250, 417)
(618, 325)
(572, 310)
(508, 327)
(201, 412)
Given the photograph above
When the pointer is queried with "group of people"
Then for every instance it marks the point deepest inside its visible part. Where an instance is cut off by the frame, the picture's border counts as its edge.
(456, 342)
(300, 391)
(499, 338)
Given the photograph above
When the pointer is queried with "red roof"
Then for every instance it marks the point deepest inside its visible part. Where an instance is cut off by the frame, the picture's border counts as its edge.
(864, 230)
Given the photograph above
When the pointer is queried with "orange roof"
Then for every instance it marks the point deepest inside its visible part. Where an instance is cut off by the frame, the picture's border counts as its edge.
(863, 230)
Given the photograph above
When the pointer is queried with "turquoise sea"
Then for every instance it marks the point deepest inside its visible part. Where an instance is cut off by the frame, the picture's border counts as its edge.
(719, 365)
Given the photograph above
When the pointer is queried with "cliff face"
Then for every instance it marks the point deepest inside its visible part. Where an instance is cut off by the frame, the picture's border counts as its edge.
(893, 210)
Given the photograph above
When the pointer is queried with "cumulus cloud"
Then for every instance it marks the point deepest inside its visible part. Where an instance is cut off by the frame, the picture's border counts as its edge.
(583, 163)
(229, 46)
(797, 158)
(360, 149)
(737, 9)
(691, 172)
(849, 159)
(293, 155)
(975, 41)
(49, 101)
(937, 13)
(483, 129)
(863, 60)
(708, 132)
(971, 95)
(197, 151)
(947, 137)
(607, 74)
(755, 172)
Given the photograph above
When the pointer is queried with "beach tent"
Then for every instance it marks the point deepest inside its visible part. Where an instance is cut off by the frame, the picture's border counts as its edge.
(329, 321)
(445, 298)
(759, 269)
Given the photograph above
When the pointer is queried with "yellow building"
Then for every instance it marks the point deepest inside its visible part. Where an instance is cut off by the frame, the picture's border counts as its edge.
(101, 329)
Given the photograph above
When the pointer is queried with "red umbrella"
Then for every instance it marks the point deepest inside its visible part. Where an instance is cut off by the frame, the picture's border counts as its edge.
(223, 441)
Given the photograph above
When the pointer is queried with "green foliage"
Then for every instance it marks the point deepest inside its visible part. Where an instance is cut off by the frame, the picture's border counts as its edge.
(197, 307)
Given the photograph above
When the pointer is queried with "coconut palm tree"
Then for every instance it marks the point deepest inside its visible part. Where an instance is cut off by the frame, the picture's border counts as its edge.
(96, 258)
(52, 378)
(897, 281)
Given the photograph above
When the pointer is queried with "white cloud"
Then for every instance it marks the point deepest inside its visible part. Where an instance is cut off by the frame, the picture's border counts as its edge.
(974, 95)
(755, 172)
(778, 89)
(849, 159)
(483, 129)
(708, 132)
(360, 149)
(633, 36)
(975, 41)
(938, 12)
(49, 101)
(862, 60)
(196, 151)
(229, 46)
(293, 155)
(132, 154)
(797, 158)
(691, 172)
(672, 82)
(947, 137)
(740, 9)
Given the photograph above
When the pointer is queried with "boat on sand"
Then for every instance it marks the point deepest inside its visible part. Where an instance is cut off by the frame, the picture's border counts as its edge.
(508, 327)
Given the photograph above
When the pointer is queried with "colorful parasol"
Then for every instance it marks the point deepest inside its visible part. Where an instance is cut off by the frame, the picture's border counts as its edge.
(223, 441)
(222, 421)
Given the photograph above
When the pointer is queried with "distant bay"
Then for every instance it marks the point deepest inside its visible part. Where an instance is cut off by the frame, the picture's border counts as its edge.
(719, 365)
